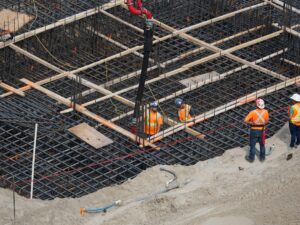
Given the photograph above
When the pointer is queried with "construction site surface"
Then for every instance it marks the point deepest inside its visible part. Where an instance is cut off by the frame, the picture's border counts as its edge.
(73, 68)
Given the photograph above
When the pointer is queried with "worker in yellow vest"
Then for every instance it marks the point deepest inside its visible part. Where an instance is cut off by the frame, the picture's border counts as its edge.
(184, 111)
(153, 120)
(294, 121)
(257, 119)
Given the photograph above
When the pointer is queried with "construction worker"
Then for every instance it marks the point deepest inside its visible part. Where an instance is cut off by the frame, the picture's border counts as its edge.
(153, 120)
(184, 111)
(257, 119)
(294, 121)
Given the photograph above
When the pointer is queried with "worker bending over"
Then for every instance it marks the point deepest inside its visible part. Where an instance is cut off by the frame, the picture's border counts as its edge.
(153, 120)
(294, 121)
(257, 119)
(184, 111)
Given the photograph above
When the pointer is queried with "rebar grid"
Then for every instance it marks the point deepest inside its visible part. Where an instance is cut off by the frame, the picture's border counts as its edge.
(14, 66)
(69, 167)
(47, 12)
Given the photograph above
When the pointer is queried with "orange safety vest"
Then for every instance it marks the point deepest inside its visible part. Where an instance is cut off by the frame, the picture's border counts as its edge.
(184, 113)
(259, 118)
(295, 118)
(153, 121)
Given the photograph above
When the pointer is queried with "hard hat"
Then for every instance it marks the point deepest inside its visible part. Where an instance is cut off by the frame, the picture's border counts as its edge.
(178, 101)
(295, 97)
(154, 104)
(260, 103)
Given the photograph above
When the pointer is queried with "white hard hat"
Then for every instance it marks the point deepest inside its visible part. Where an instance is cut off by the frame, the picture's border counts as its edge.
(260, 103)
(154, 104)
(295, 97)
(178, 101)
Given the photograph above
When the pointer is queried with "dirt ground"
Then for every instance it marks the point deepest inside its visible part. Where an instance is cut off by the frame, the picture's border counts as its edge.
(225, 190)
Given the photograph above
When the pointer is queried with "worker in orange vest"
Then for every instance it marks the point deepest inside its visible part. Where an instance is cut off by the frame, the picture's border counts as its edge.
(257, 119)
(153, 119)
(294, 121)
(184, 111)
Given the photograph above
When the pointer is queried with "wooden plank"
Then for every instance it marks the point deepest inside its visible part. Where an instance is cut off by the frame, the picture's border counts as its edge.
(192, 64)
(283, 4)
(12, 89)
(90, 135)
(117, 97)
(228, 52)
(62, 22)
(204, 82)
(125, 23)
(100, 89)
(109, 39)
(182, 56)
(35, 58)
(291, 62)
(288, 29)
(131, 50)
(208, 22)
(88, 113)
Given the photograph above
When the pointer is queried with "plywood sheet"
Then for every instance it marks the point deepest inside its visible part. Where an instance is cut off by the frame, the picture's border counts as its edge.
(196, 79)
(90, 135)
(13, 21)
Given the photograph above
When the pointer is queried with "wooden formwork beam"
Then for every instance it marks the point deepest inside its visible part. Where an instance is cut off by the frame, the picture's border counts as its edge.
(289, 30)
(205, 82)
(109, 39)
(35, 58)
(164, 64)
(125, 23)
(291, 62)
(12, 89)
(62, 22)
(136, 48)
(195, 63)
(118, 98)
(224, 108)
(88, 113)
(227, 53)
(211, 21)
(283, 4)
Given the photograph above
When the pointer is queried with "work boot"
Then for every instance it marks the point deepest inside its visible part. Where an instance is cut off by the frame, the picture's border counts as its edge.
(248, 159)
(262, 159)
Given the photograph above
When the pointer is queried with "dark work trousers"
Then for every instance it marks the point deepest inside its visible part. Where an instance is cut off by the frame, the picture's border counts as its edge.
(256, 136)
(295, 134)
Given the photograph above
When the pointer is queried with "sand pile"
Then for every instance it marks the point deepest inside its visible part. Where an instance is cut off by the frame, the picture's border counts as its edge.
(225, 190)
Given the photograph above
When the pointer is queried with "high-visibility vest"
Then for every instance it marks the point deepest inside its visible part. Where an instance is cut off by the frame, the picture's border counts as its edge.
(153, 121)
(184, 113)
(295, 118)
(259, 118)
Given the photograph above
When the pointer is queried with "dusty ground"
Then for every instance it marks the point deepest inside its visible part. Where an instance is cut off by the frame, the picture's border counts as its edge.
(226, 190)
